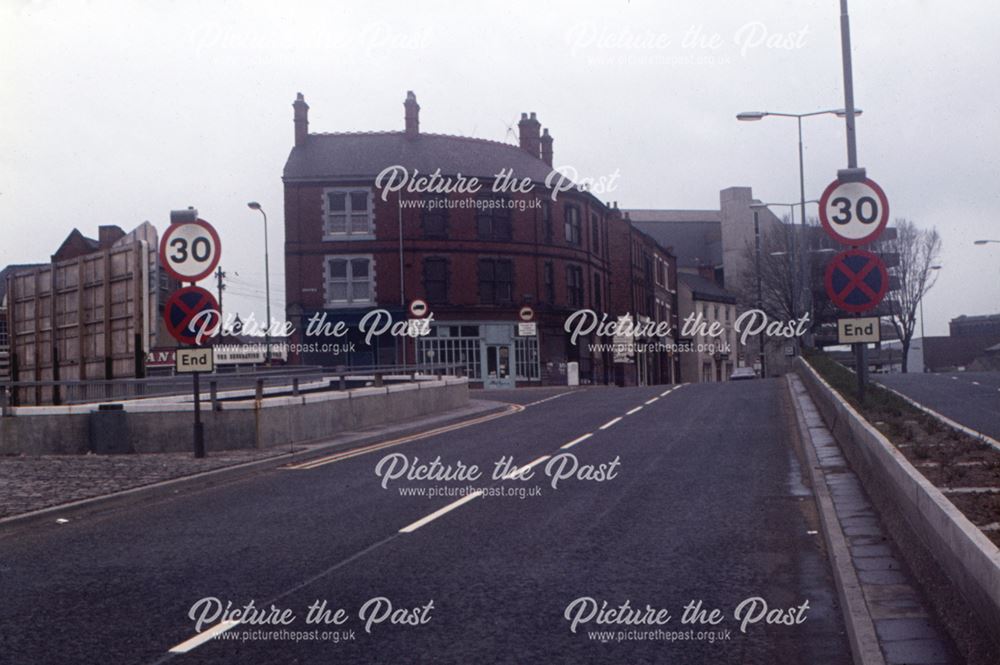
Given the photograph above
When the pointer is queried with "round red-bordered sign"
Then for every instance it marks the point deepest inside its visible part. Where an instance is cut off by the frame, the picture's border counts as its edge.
(190, 251)
(418, 308)
(854, 212)
(183, 306)
(856, 280)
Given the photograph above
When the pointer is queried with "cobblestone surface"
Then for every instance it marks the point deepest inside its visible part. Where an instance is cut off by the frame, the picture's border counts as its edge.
(31, 483)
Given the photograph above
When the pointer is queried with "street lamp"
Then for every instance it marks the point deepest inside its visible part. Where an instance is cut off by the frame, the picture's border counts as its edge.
(760, 296)
(983, 242)
(750, 116)
(923, 338)
(253, 205)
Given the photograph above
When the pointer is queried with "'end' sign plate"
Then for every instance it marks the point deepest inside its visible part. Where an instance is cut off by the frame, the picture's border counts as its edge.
(189, 361)
(863, 330)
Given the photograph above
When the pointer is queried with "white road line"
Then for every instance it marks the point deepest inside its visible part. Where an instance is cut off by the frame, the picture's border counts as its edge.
(364, 450)
(650, 401)
(635, 410)
(519, 470)
(665, 393)
(438, 513)
(610, 423)
(954, 378)
(542, 401)
(201, 638)
(975, 383)
(577, 440)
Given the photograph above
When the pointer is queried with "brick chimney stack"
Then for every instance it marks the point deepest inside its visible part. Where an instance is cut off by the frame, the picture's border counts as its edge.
(412, 115)
(301, 119)
(546, 141)
(530, 130)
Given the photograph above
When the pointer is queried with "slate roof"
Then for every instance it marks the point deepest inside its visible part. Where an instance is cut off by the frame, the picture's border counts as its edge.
(366, 154)
(695, 242)
(705, 289)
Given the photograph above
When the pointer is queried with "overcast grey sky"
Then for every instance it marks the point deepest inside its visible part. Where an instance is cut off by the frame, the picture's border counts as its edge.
(116, 112)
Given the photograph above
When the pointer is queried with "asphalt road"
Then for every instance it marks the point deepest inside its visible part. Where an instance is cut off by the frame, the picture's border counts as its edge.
(969, 398)
(705, 503)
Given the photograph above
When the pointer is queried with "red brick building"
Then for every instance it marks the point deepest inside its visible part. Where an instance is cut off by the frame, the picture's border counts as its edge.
(477, 257)
(644, 285)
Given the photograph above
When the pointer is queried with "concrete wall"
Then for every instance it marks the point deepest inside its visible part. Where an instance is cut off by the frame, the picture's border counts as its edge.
(275, 421)
(964, 554)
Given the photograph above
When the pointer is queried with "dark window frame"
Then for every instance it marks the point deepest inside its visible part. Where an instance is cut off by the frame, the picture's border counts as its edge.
(429, 218)
(549, 282)
(444, 280)
(494, 222)
(574, 286)
(495, 277)
(547, 221)
(571, 225)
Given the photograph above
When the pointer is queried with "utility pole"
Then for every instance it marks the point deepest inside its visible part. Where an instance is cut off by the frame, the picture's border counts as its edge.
(220, 287)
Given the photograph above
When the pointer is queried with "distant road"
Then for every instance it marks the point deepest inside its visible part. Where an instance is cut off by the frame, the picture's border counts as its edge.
(969, 398)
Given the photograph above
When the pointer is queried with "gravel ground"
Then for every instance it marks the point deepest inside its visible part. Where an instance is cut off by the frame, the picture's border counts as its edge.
(30, 483)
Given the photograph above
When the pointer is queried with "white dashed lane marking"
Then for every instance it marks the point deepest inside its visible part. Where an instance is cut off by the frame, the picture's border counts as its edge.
(610, 423)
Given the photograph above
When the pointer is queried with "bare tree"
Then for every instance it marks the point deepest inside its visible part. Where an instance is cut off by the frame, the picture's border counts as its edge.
(918, 251)
(779, 275)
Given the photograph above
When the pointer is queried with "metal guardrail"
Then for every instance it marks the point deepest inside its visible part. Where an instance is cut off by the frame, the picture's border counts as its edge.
(32, 393)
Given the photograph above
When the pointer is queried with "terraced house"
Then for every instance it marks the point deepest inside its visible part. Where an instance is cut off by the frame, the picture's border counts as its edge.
(358, 237)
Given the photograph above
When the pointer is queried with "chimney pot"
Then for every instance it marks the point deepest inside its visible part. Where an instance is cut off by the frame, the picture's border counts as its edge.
(301, 119)
(412, 114)
(546, 143)
(529, 130)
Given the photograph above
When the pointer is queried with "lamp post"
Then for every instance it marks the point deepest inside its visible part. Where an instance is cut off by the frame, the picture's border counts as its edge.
(923, 338)
(760, 297)
(985, 242)
(253, 205)
(751, 116)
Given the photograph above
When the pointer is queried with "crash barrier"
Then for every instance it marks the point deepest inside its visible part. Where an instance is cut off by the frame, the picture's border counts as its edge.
(251, 421)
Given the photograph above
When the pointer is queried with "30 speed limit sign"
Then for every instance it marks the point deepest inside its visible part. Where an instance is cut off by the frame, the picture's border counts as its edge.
(189, 251)
(854, 213)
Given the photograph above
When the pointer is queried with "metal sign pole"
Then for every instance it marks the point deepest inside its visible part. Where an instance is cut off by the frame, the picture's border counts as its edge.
(860, 350)
(199, 432)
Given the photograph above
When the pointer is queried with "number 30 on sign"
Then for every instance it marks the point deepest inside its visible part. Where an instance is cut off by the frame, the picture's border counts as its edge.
(854, 213)
(190, 251)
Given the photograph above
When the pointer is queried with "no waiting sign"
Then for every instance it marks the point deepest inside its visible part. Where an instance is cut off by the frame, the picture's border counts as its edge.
(188, 311)
(856, 280)
(854, 212)
(190, 251)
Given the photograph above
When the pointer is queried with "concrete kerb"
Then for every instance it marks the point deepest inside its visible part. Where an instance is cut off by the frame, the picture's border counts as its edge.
(945, 419)
(861, 633)
(220, 476)
(966, 556)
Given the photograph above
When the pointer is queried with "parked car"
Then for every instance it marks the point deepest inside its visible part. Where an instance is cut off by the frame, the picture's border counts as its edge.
(742, 374)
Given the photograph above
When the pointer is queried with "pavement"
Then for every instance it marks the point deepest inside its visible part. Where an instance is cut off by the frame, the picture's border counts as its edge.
(969, 398)
(888, 597)
(33, 482)
(682, 497)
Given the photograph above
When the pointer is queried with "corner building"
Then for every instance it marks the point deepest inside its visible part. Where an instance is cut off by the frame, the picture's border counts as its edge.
(476, 258)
